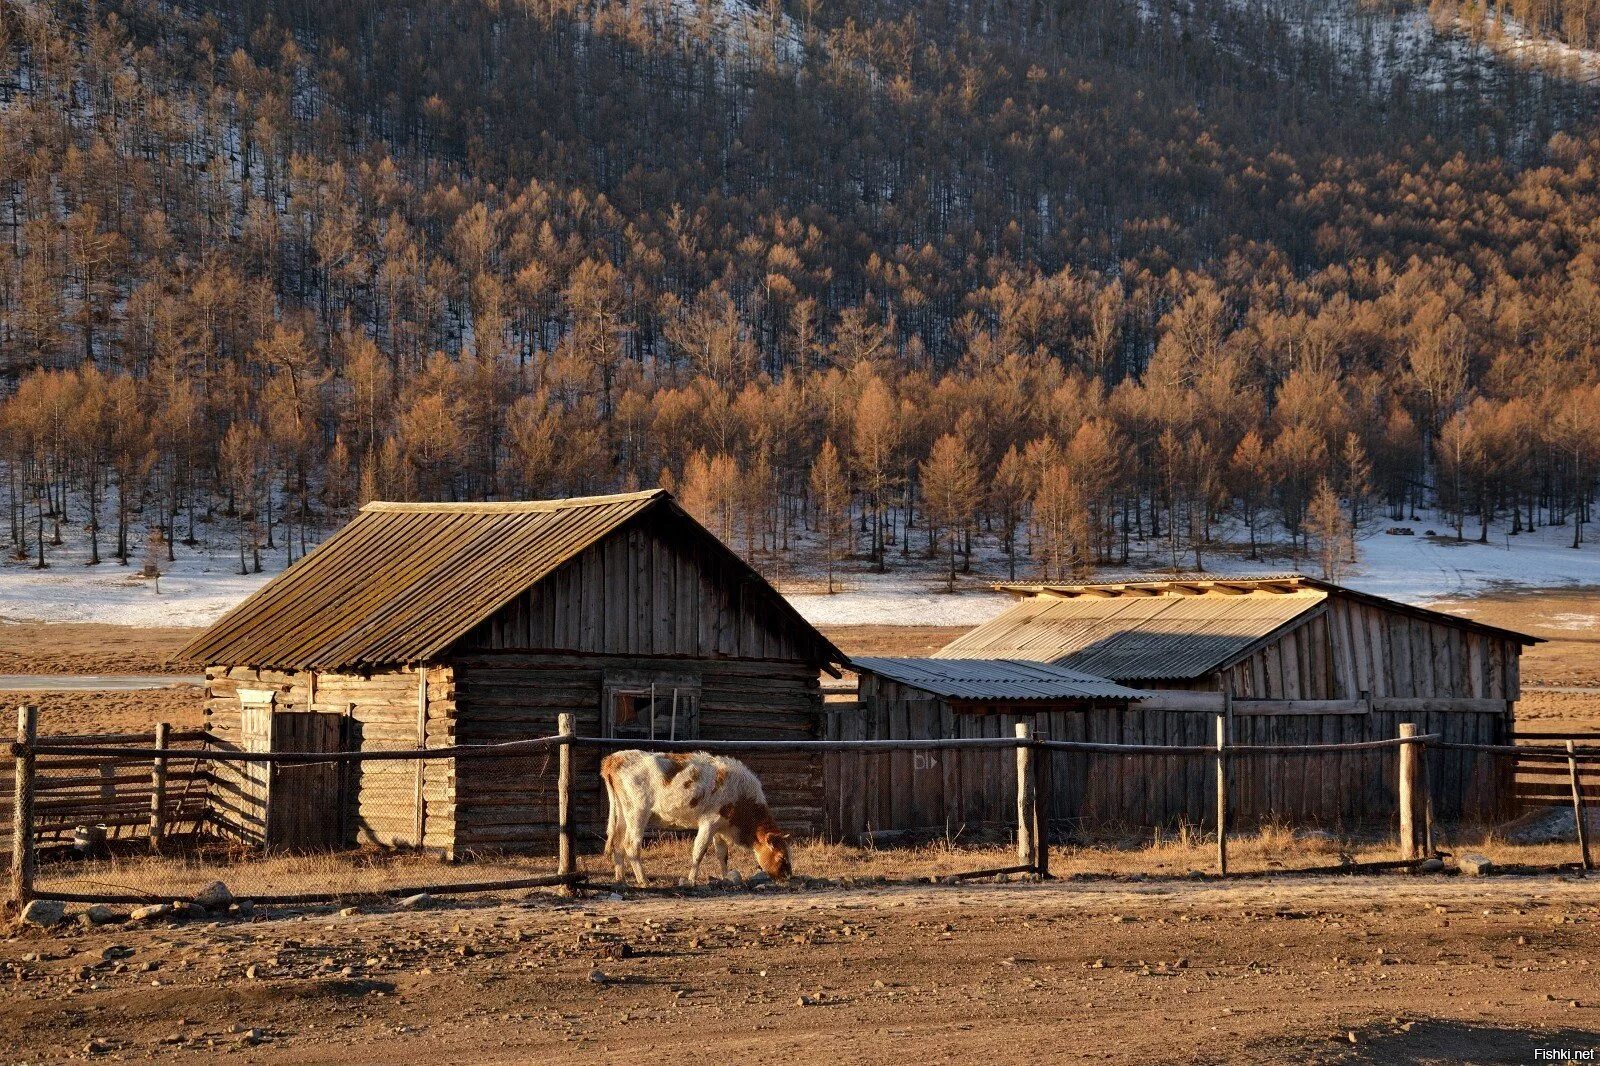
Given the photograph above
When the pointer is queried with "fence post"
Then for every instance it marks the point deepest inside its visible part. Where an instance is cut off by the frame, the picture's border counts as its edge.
(1025, 794)
(566, 857)
(1578, 815)
(158, 789)
(1409, 792)
(1043, 791)
(1222, 794)
(22, 807)
(1425, 778)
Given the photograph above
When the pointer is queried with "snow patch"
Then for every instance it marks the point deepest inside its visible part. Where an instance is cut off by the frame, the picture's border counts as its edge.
(194, 591)
(895, 600)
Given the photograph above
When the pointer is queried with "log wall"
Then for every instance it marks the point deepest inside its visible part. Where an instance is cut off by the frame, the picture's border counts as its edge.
(384, 711)
(501, 696)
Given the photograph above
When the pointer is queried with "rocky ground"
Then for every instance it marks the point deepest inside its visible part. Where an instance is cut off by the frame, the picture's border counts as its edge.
(1372, 969)
(1147, 964)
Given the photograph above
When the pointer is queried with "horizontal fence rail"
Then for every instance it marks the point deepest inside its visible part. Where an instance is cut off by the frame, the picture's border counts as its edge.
(150, 780)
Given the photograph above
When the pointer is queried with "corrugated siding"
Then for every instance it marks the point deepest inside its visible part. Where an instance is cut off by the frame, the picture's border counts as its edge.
(402, 582)
(1134, 637)
(995, 679)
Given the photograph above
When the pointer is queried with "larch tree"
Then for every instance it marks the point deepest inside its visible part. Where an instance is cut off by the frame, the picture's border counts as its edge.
(830, 495)
(950, 493)
(1061, 525)
(1329, 532)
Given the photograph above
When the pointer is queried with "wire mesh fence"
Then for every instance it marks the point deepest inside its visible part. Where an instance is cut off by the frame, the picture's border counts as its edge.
(301, 825)
(154, 819)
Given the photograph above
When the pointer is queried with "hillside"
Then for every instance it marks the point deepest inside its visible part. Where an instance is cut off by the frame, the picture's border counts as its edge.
(916, 284)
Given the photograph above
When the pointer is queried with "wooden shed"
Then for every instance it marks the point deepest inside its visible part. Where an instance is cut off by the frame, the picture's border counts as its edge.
(428, 625)
(1288, 660)
(955, 794)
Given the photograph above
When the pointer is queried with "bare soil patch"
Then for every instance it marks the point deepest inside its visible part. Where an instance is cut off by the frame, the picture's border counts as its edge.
(76, 713)
(1569, 619)
(892, 640)
(1417, 969)
(90, 648)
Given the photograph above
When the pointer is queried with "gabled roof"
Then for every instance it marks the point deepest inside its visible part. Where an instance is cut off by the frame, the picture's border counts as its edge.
(996, 679)
(1162, 630)
(404, 581)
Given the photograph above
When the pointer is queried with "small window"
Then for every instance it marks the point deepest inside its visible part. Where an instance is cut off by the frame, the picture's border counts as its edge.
(664, 711)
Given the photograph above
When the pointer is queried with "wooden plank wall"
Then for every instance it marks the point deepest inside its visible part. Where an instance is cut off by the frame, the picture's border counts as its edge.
(1353, 647)
(642, 592)
(958, 794)
(384, 715)
(500, 696)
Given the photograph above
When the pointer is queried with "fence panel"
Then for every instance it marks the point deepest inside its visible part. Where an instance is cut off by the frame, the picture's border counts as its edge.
(341, 823)
(111, 792)
(1542, 783)
(335, 826)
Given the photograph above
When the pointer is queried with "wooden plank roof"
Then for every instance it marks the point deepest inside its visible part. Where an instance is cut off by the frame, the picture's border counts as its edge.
(1163, 630)
(403, 581)
(999, 680)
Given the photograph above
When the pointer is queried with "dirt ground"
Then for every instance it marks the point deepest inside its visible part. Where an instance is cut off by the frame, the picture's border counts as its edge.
(1358, 970)
(90, 648)
(1569, 619)
(180, 706)
(1157, 962)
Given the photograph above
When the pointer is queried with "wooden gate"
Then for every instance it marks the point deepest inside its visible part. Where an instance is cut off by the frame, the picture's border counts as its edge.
(1544, 783)
(306, 801)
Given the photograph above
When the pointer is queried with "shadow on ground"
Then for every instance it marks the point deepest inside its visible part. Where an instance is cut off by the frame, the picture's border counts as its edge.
(1438, 1041)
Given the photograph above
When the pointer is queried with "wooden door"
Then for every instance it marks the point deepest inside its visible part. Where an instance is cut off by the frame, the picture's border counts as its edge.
(245, 788)
(307, 810)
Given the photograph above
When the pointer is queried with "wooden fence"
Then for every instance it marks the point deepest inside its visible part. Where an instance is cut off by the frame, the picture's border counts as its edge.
(131, 796)
(1541, 783)
(964, 794)
(46, 802)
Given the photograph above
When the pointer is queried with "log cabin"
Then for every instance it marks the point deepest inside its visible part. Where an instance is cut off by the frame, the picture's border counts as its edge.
(424, 625)
(1287, 660)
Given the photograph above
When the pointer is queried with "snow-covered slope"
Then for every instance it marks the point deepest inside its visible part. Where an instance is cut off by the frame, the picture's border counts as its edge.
(1420, 569)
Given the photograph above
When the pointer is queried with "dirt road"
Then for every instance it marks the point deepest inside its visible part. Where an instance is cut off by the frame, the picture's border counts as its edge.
(1418, 969)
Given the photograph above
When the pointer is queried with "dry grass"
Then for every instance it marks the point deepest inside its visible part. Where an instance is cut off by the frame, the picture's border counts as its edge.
(1274, 849)
(247, 873)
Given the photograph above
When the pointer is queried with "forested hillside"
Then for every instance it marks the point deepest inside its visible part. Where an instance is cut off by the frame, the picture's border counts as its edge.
(864, 277)
(1575, 23)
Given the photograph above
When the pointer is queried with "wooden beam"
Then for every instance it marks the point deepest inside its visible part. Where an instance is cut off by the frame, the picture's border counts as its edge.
(158, 789)
(567, 854)
(1580, 819)
(1410, 794)
(22, 806)
(1025, 793)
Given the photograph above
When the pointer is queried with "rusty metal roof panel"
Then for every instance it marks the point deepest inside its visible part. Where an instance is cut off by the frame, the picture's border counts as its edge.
(1136, 637)
(1217, 585)
(996, 679)
(402, 582)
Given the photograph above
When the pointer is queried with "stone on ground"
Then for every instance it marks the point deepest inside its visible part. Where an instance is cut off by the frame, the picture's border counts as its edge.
(44, 913)
(1474, 865)
(214, 897)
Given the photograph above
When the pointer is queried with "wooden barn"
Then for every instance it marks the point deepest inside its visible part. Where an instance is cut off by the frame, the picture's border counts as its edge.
(428, 625)
(1287, 660)
(950, 793)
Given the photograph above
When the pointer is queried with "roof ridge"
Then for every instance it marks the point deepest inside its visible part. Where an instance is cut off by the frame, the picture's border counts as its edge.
(509, 506)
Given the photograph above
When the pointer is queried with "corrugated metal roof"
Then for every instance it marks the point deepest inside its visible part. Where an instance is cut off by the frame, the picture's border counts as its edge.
(996, 679)
(1220, 585)
(403, 581)
(1134, 637)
